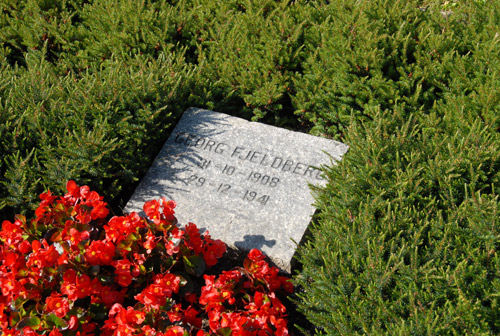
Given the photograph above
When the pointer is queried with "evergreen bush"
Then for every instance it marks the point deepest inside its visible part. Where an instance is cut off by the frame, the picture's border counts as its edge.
(251, 51)
(88, 92)
(89, 89)
(407, 239)
(365, 54)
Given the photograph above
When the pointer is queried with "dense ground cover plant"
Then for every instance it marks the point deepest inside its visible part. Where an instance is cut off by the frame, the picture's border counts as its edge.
(407, 239)
(366, 55)
(87, 86)
(72, 271)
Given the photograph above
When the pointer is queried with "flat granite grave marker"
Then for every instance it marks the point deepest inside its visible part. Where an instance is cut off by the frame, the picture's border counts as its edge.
(245, 182)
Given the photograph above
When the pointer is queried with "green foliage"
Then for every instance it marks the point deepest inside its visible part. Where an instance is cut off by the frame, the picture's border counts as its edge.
(75, 107)
(365, 54)
(89, 89)
(251, 52)
(407, 239)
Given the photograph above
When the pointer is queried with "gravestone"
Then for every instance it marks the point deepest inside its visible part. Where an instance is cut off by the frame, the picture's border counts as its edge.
(244, 182)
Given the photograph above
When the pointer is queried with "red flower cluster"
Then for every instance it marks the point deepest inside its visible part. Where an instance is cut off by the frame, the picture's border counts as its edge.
(261, 311)
(70, 271)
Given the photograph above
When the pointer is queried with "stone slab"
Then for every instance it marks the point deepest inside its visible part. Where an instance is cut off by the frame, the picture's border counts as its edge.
(245, 182)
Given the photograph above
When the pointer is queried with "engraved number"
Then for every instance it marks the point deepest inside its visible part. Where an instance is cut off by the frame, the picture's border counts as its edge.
(196, 180)
(228, 170)
(249, 195)
(252, 196)
(263, 179)
(204, 163)
(223, 188)
(263, 199)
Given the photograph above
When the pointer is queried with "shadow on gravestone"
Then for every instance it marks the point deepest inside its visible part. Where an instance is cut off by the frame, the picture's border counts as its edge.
(254, 241)
(184, 157)
(246, 183)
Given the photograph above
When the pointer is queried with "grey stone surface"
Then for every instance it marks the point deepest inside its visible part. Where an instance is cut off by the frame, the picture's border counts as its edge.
(245, 182)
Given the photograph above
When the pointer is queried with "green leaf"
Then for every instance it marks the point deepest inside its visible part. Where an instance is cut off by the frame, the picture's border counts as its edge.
(194, 265)
(224, 331)
(55, 321)
(31, 321)
(19, 302)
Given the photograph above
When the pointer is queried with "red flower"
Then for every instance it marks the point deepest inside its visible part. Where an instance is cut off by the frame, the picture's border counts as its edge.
(172, 248)
(11, 233)
(11, 332)
(57, 305)
(95, 287)
(175, 313)
(121, 266)
(45, 256)
(120, 227)
(55, 332)
(110, 296)
(190, 316)
(92, 253)
(242, 300)
(134, 316)
(171, 282)
(157, 293)
(124, 279)
(122, 271)
(168, 209)
(73, 323)
(83, 286)
(24, 247)
(174, 331)
(214, 252)
(68, 286)
(100, 253)
(152, 210)
(150, 242)
(123, 321)
(4, 322)
(193, 238)
(75, 236)
(286, 283)
(255, 255)
(10, 286)
(47, 200)
(99, 211)
(28, 331)
(73, 191)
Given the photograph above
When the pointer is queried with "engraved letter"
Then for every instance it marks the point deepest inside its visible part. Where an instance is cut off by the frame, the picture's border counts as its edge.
(246, 158)
(237, 150)
(319, 174)
(278, 164)
(177, 137)
(309, 170)
(262, 163)
(199, 143)
(190, 140)
(287, 166)
(256, 156)
(298, 168)
(209, 145)
(219, 148)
